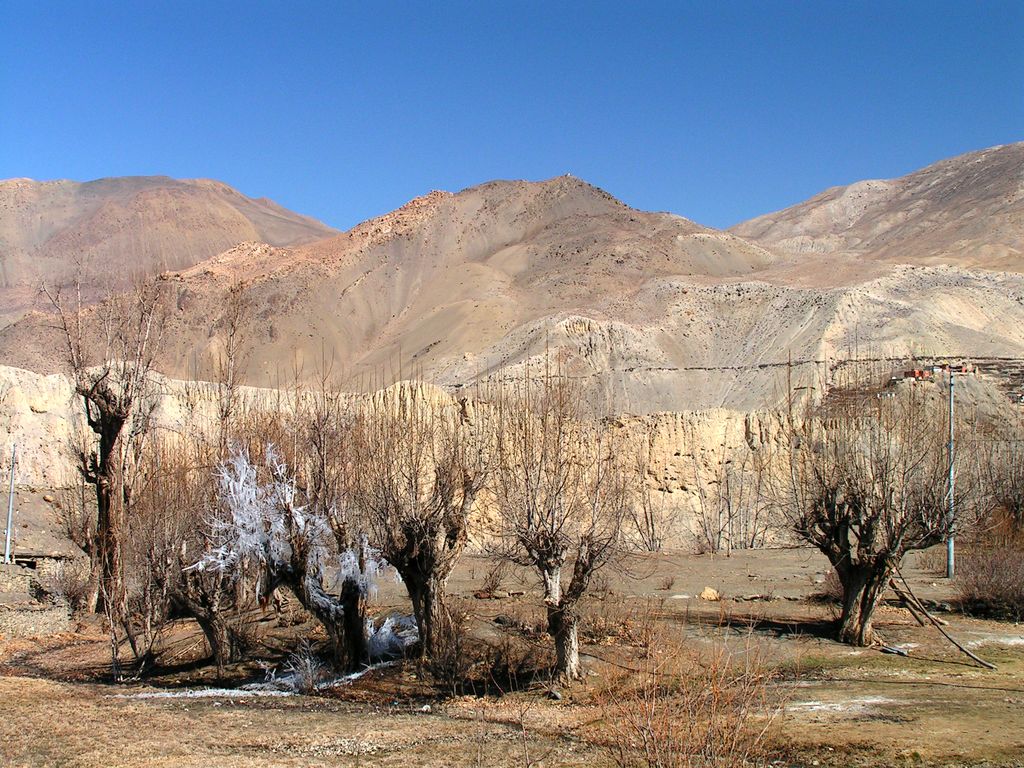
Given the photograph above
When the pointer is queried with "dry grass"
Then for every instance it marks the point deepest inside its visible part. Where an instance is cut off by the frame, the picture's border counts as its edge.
(865, 709)
(684, 709)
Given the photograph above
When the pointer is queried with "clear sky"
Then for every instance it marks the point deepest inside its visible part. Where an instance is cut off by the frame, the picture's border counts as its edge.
(718, 111)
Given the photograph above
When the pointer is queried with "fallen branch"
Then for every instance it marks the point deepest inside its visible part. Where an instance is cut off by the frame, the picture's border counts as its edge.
(910, 597)
(907, 602)
(938, 626)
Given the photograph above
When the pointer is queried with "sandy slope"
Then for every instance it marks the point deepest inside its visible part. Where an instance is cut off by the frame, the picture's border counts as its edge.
(967, 211)
(120, 229)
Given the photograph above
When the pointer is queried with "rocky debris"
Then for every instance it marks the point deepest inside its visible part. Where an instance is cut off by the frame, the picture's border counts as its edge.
(710, 594)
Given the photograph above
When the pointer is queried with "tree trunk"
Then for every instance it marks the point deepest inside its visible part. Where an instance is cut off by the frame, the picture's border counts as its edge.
(427, 595)
(563, 626)
(342, 618)
(92, 599)
(108, 523)
(862, 588)
(206, 610)
(218, 637)
(354, 650)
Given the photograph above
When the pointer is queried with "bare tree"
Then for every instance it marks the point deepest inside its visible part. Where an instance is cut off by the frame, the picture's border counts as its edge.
(288, 543)
(184, 498)
(216, 598)
(420, 462)
(1004, 478)
(563, 490)
(325, 422)
(110, 351)
(733, 510)
(648, 515)
(231, 360)
(866, 482)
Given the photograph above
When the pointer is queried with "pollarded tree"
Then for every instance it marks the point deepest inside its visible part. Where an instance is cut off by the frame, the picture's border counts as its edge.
(563, 489)
(865, 483)
(110, 351)
(270, 529)
(419, 462)
(324, 425)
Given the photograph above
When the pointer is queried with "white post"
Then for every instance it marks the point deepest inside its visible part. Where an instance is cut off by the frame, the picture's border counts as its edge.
(10, 506)
(950, 547)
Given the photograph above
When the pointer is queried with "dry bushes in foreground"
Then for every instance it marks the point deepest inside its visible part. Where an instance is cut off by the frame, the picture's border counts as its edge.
(685, 709)
(990, 569)
(990, 581)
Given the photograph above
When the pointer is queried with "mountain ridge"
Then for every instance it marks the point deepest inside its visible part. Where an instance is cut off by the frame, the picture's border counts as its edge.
(967, 209)
(110, 232)
(659, 312)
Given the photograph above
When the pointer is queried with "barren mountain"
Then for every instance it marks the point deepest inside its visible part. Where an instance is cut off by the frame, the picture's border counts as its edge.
(967, 211)
(112, 231)
(657, 312)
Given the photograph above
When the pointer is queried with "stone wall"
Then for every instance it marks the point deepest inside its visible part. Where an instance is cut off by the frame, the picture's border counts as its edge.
(33, 620)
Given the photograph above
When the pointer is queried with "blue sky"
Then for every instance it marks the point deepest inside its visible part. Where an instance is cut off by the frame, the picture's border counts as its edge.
(718, 111)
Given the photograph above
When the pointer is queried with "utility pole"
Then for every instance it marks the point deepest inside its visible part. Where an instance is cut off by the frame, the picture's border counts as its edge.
(10, 506)
(950, 547)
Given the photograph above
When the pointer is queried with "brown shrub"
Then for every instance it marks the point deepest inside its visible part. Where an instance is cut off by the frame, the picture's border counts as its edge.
(620, 621)
(990, 581)
(683, 709)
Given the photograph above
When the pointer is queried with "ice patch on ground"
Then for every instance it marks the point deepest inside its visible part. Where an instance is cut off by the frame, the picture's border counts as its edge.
(996, 640)
(849, 706)
(205, 693)
(277, 687)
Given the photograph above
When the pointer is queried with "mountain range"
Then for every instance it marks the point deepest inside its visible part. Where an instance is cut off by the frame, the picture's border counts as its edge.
(658, 312)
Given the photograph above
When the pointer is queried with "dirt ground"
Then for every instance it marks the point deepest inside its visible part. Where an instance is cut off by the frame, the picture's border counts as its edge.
(841, 706)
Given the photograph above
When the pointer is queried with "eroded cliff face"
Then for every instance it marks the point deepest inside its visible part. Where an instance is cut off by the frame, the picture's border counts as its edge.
(43, 418)
(700, 466)
(685, 455)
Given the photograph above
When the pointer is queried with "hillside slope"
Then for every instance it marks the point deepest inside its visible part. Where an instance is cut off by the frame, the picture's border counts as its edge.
(113, 231)
(967, 211)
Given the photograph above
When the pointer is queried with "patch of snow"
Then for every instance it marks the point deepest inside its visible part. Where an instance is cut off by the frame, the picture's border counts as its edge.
(996, 640)
(204, 693)
(850, 706)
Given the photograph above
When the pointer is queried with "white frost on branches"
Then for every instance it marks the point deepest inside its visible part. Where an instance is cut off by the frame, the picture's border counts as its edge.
(263, 525)
(393, 638)
(254, 528)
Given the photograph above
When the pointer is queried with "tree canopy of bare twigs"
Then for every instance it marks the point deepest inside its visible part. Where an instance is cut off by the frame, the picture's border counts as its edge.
(867, 482)
(1004, 479)
(110, 351)
(649, 517)
(564, 487)
(419, 464)
(733, 511)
